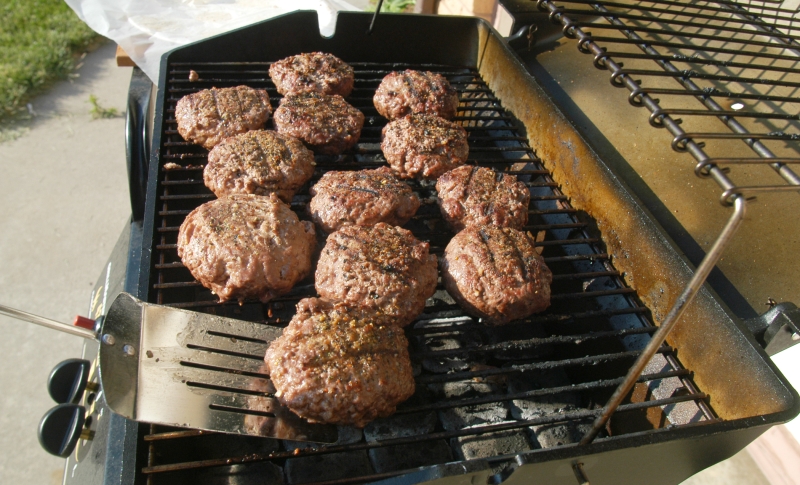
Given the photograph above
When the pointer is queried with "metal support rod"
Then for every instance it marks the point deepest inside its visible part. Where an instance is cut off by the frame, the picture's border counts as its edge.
(46, 322)
(694, 285)
(375, 16)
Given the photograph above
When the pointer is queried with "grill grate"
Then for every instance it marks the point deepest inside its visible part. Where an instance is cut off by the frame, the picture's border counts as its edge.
(482, 392)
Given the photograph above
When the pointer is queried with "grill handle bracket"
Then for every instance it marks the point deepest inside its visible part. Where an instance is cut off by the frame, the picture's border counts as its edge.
(778, 328)
(524, 39)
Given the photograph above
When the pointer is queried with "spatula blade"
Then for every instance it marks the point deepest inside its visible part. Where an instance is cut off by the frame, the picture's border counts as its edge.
(194, 370)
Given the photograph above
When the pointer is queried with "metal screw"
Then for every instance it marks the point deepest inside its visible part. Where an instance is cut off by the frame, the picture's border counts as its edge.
(108, 339)
(129, 350)
(796, 336)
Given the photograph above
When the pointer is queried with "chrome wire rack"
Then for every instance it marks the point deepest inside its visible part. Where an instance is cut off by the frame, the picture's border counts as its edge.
(689, 63)
(738, 62)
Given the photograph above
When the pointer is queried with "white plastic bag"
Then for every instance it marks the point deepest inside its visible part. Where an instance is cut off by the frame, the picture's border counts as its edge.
(146, 29)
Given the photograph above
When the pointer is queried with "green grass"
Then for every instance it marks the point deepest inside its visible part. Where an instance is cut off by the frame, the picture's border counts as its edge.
(40, 41)
(392, 5)
(98, 111)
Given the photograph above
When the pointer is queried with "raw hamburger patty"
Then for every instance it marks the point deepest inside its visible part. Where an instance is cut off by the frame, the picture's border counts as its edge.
(424, 146)
(479, 196)
(328, 124)
(382, 268)
(246, 246)
(340, 364)
(209, 116)
(362, 198)
(403, 93)
(259, 162)
(314, 72)
(495, 273)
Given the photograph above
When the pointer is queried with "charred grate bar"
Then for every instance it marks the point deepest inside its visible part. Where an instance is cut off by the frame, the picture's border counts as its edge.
(732, 60)
(482, 393)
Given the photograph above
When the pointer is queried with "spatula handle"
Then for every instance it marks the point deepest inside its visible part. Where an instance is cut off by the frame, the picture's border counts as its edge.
(46, 322)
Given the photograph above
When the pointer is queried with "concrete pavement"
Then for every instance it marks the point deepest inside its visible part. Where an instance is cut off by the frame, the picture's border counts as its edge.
(63, 193)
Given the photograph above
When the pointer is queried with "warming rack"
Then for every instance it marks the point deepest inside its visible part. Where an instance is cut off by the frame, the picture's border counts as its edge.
(734, 61)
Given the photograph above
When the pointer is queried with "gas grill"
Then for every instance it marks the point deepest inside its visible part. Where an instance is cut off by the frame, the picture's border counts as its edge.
(493, 404)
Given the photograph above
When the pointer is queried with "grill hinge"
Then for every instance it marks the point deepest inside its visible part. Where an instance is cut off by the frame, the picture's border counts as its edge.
(778, 328)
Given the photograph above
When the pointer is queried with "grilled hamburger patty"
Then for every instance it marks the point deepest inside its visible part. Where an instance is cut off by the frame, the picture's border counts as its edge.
(403, 93)
(495, 273)
(480, 196)
(246, 246)
(424, 146)
(211, 115)
(328, 124)
(362, 198)
(259, 162)
(382, 268)
(314, 72)
(340, 364)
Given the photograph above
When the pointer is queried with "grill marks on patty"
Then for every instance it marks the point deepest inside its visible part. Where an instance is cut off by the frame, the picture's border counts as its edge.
(246, 246)
(328, 124)
(364, 198)
(410, 91)
(259, 162)
(211, 115)
(382, 268)
(339, 363)
(424, 146)
(480, 196)
(496, 273)
(315, 72)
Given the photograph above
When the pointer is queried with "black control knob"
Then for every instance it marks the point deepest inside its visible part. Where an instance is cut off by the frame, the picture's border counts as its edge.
(62, 427)
(68, 380)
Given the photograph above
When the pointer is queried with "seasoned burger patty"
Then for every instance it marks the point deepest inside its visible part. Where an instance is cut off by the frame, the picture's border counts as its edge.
(246, 246)
(424, 146)
(403, 93)
(259, 162)
(340, 364)
(382, 268)
(314, 72)
(495, 273)
(479, 196)
(209, 116)
(328, 124)
(361, 198)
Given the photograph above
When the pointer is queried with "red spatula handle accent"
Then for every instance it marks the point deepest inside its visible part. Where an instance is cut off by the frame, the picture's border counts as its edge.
(83, 322)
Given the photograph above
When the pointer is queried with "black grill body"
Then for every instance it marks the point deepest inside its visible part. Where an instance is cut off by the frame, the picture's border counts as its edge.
(544, 378)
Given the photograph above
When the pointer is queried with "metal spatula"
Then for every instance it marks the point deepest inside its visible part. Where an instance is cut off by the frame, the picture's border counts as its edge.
(180, 368)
